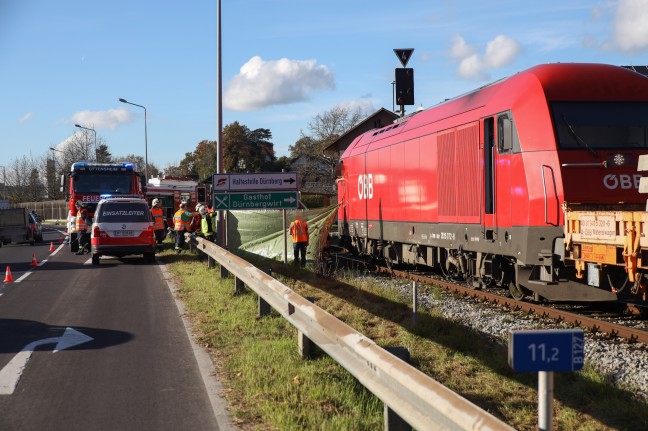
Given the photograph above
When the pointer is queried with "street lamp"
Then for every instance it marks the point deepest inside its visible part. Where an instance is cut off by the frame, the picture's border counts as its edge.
(145, 138)
(4, 183)
(95, 136)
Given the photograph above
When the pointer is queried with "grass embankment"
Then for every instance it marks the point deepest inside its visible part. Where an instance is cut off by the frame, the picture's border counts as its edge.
(270, 387)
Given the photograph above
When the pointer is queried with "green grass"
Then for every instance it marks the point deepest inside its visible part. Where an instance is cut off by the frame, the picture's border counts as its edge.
(270, 387)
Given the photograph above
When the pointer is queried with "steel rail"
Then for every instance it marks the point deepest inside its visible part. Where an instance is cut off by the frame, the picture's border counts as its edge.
(418, 399)
(595, 325)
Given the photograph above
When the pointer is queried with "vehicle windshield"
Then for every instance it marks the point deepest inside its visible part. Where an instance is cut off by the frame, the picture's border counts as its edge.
(123, 212)
(103, 183)
(601, 125)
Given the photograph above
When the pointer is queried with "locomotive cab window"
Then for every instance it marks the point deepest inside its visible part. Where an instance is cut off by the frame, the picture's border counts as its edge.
(601, 125)
(507, 137)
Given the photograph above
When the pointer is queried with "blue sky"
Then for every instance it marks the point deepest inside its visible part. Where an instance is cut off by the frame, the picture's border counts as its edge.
(284, 61)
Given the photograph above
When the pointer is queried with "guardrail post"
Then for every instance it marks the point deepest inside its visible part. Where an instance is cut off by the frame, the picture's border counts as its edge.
(392, 421)
(264, 307)
(238, 286)
(211, 262)
(305, 347)
(223, 272)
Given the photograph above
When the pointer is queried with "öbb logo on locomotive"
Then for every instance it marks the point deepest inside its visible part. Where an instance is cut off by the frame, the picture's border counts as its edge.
(365, 186)
(623, 181)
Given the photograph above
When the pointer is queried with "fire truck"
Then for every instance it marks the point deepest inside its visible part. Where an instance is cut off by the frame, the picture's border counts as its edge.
(171, 190)
(88, 181)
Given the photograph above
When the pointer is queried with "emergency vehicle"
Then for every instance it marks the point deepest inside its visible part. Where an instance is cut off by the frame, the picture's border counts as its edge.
(122, 226)
(171, 190)
(88, 181)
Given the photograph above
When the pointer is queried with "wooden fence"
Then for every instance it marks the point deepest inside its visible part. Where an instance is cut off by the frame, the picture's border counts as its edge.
(48, 210)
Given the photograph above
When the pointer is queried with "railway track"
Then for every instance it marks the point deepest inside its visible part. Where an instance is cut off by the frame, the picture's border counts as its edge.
(593, 324)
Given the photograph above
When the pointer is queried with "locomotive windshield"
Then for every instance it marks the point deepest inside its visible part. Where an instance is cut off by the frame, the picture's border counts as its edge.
(103, 183)
(601, 125)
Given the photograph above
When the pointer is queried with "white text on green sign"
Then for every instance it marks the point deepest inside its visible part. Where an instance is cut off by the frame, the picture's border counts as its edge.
(255, 201)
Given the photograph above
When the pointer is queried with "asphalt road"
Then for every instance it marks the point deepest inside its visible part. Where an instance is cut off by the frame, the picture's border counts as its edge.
(110, 351)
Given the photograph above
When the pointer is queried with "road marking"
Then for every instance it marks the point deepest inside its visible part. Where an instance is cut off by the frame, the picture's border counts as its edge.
(11, 372)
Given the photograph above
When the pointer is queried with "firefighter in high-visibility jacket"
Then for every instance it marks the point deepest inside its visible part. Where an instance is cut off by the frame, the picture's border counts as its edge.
(158, 220)
(299, 234)
(81, 226)
(181, 221)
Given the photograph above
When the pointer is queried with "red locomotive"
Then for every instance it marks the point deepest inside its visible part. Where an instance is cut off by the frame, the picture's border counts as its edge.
(479, 185)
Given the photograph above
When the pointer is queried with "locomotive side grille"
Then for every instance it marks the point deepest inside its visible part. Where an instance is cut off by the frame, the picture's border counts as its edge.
(447, 178)
(468, 171)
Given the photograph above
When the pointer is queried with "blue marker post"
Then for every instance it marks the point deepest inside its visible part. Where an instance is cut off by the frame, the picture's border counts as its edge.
(546, 351)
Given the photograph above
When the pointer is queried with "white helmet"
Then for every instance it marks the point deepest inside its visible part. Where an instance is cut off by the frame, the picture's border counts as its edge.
(156, 201)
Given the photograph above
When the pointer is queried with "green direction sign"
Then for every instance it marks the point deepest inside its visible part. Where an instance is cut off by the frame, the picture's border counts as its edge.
(255, 201)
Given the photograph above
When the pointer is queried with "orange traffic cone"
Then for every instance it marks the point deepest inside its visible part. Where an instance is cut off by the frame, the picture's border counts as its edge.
(52, 246)
(8, 276)
(34, 262)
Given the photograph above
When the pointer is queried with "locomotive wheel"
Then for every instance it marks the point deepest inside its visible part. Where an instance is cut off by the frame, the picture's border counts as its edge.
(517, 292)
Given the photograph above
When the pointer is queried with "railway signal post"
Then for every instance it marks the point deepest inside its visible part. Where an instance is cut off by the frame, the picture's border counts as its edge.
(404, 79)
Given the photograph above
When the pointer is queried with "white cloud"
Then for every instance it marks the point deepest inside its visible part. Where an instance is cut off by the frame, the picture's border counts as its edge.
(472, 67)
(25, 118)
(109, 119)
(460, 49)
(499, 52)
(260, 83)
(631, 25)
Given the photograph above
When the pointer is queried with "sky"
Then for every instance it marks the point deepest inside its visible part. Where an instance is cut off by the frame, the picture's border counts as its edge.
(68, 62)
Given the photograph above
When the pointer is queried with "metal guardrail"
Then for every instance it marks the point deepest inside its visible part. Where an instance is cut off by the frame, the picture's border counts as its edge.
(418, 399)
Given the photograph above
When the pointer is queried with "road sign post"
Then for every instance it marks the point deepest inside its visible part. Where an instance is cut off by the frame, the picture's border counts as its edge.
(546, 351)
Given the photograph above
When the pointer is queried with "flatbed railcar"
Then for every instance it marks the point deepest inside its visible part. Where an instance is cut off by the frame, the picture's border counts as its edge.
(480, 185)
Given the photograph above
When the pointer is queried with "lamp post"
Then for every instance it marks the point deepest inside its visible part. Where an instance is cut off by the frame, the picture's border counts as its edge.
(145, 138)
(4, 183)
(95, 136)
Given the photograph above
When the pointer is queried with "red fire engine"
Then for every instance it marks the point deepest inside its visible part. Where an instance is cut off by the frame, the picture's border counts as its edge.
(88, 181)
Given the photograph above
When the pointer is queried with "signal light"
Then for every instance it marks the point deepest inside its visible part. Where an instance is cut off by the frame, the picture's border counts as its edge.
(405, 86)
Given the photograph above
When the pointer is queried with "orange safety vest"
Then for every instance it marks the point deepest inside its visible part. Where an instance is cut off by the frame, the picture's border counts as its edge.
(178, 223)
(299, 231)
(158, 218)
(80, 224)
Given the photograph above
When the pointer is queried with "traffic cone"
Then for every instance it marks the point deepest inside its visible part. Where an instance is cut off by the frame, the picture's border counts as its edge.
(34, 262)
(8, 276)
(52, 246)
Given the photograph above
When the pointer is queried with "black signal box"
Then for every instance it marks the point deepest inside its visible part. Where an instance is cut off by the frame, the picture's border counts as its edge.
(405, 86)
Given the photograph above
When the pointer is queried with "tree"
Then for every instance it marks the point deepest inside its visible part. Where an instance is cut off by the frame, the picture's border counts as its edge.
(246, 150)
(24, 183)
(323, 129)
(201, 162)
(103, 155)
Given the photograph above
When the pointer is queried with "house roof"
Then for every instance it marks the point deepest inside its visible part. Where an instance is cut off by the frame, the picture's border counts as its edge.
(380, 118)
